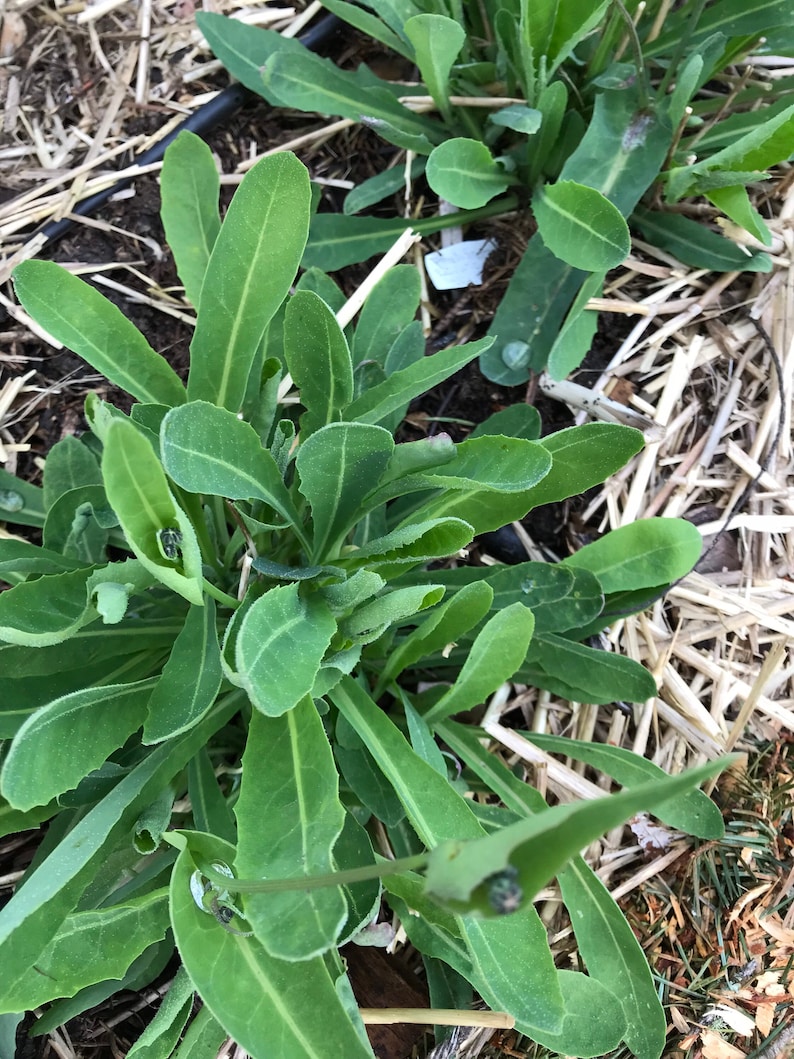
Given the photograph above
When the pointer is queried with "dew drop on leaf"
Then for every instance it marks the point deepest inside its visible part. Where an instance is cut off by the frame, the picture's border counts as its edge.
(10, 500)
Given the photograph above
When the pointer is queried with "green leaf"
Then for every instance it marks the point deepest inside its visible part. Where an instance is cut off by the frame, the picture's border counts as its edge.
(318, 358)
(269, 1006)
(373, 619)
(582, 457)
(73, 735)
(369, 25)
(190, 680)
(692, 812)
(517, 117)
(584, 674)
(377, 188)
(401, 387)
(189, 190)
(209, 450)
(338, 465)
(288, 819)
(457, 873)
(160, 1037)
(20, 502)
(89, 947)
(613, 953)
(279, 647)
(77, 524)
(415, 543)
(249, 273)
(652, 551)
(734, 18)
(581, 226)
(573, 342)
(52, 890)
(695, 244)
(69, 465)
(497, 652)
(203, 1038)
(464, 172)
(47, 610)
(138, 492)
(735, 204)
(388, 309)
(244, 49)
(362, 775)
(94, 328)
(437, 40)
(210, 811)
(307, 82)
(442, 626)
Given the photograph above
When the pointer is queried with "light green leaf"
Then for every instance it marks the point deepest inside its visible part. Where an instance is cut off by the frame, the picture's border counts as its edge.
(318, 358)
(415, 543)
(69, 465)
(279, 647)
(77, 524)
(377, 188)
(498, 651)
(735, 204)
(189, 190)
(209, 450)
(204, 1036)
(401, 387)
(652, 551)
(89, 947)
(695, 244)
(138, 492)
(73, 735)
(249, 273)
(584, 674)
(190, 680)
(692, 812)
(464, 172)
(573, 342)
(288, 818)
(437, 41)
(389, 308)
(94, 328)
(47, 610)
(160, 1037)
(53, 889)
(372, 619)
(581, 226)
(210, 811)
(338, 466)
(269, 1006)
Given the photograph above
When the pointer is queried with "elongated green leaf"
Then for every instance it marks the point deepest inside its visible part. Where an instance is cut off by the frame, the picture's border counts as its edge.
(734, 18)
(362, 775)
(209, 450)
(573, 343)
(650, 552)
(203, 1038)
(189, 190)
(191, 678)
(279, 647)
(389, 308)
(318, 359)
(369, 25)
(210, 811)
(389, 609)
(436, 41)
(496, 654)
(464, 172)
(735, 203)
(619, 961)
(695, 244)
(374, 190)
(73, 735)
(582, 457)
(442, 626)
(338, 466)
(434, 808)
(90, 947)
(401, 387)
(51, 891)
(693, 812)
(307, 82)
(584, 674)
(415, 543)
(353, 849)
(161, 1035)
(269, 1006)
(581, 227)
(252, 264)
(288, 818)
(47, 610)
(85, 321)
(542, 844)
(138, 492)
(23, 558)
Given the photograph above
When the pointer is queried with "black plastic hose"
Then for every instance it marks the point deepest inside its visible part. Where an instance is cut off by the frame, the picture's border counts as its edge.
(202, 122)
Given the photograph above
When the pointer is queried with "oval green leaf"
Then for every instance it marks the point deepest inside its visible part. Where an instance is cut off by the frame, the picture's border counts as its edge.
(581, 226)
(463, 172)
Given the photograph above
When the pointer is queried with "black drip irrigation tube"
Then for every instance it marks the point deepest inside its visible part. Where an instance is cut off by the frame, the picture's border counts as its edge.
(202, 122)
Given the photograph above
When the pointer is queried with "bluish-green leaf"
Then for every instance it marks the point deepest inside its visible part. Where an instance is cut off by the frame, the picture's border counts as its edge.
(388, 309)
(189, 190)
(436, 40)
(279, 646)
(580, 226)
(288, 818)
(69, 465)
(87, 323)
(250, 270)
(464, 172)
(584, 674)
(318, 358)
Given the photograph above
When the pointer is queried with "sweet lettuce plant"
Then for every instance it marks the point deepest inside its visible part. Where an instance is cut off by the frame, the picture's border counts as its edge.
(247, 633)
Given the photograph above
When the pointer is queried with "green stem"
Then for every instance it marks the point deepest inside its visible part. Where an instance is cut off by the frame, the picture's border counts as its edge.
(315, 882)
(219, 595)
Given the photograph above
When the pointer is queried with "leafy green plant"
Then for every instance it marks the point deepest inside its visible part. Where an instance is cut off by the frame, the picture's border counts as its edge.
(589, 108)
(240, 640)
